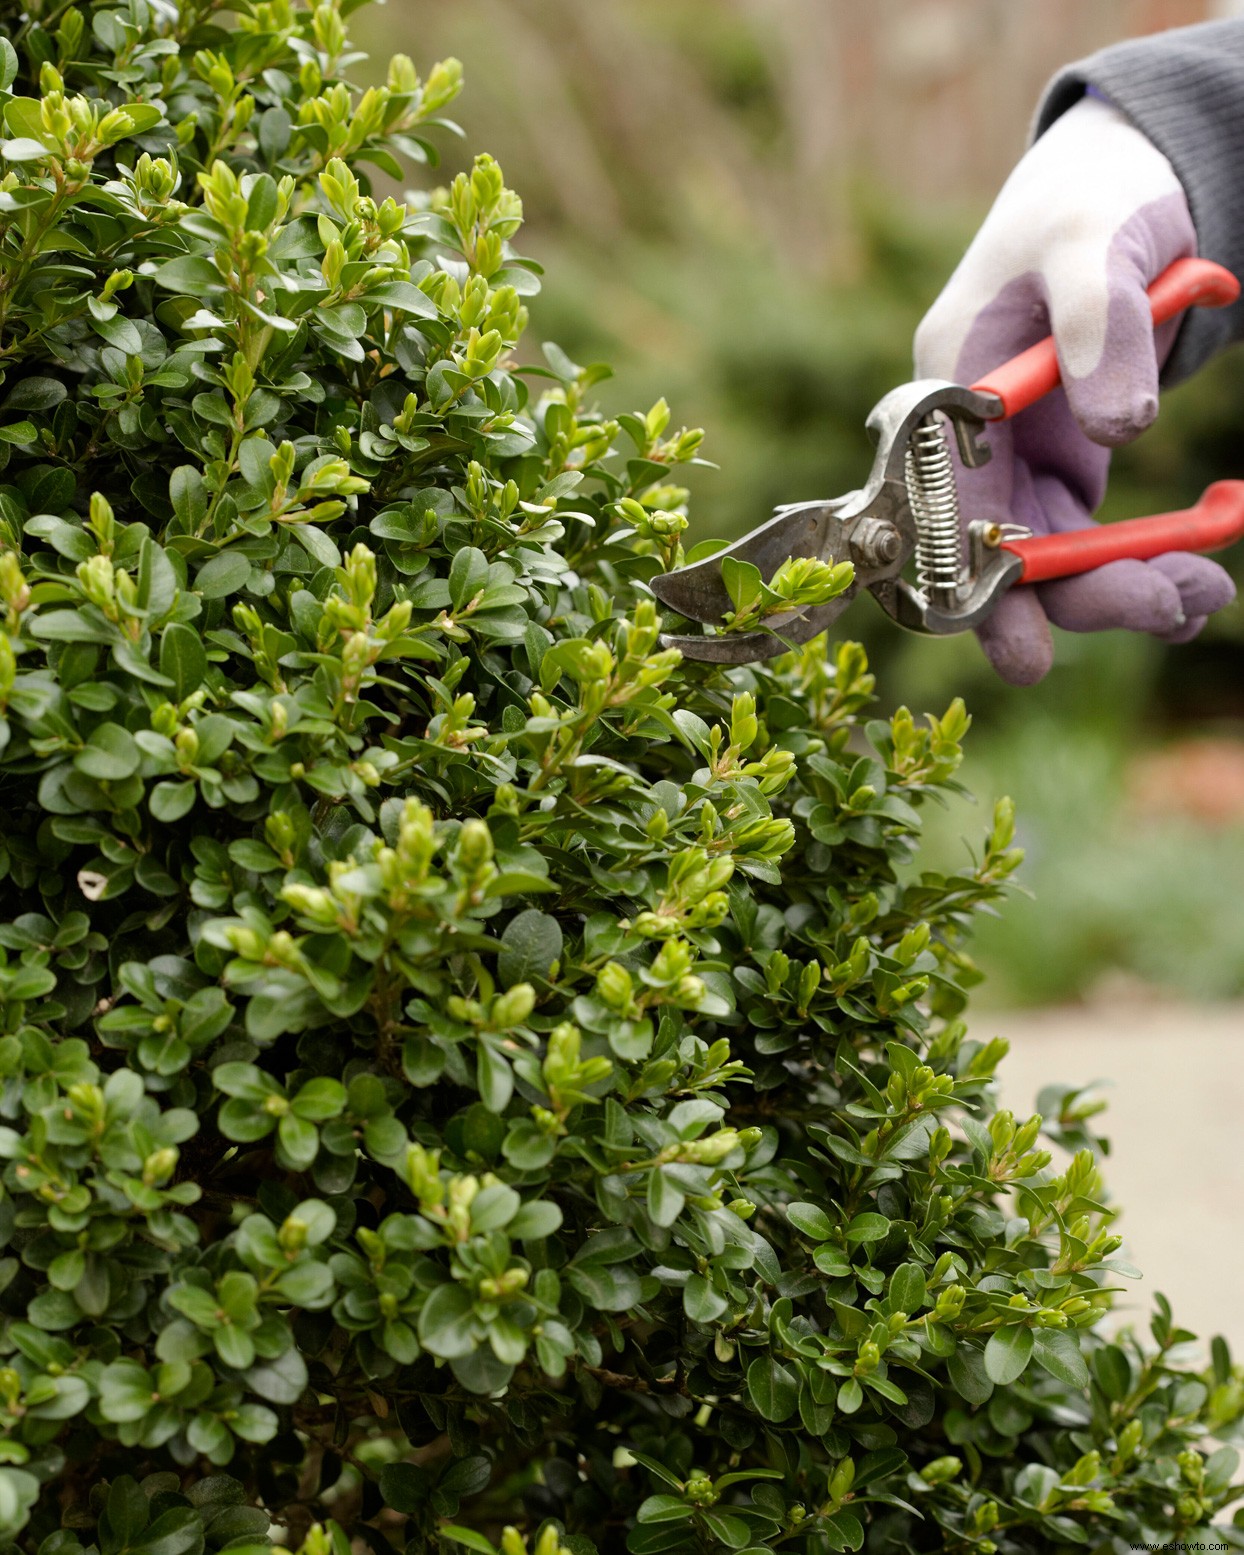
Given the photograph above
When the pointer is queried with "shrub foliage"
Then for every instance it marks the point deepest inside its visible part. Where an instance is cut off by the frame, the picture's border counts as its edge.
(469, 1080)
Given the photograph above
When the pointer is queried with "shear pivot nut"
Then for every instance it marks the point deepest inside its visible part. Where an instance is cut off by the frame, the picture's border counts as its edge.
(876, 543)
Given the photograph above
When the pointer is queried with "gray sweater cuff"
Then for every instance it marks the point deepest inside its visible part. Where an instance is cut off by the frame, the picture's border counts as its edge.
(1184, 90)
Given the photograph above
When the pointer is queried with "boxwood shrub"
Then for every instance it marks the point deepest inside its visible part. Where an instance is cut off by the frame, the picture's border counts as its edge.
(469, 1080)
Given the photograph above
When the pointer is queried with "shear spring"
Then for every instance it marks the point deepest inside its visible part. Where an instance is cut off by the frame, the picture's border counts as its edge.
(934, 499)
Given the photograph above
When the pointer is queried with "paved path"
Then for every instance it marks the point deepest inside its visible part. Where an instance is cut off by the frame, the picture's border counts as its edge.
(1176, 1125)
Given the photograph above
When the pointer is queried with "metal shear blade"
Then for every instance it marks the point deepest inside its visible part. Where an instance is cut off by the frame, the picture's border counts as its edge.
(699, 593)
(798, 529)
(874, 528)
(751, 647)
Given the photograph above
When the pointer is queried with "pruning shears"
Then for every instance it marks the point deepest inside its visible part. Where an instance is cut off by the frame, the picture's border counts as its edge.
(906, 518)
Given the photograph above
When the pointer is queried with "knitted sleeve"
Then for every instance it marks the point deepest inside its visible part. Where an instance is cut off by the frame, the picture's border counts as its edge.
(1184, 90)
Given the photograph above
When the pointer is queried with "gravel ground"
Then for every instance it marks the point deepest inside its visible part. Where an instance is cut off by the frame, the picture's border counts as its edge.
(1176, 1125)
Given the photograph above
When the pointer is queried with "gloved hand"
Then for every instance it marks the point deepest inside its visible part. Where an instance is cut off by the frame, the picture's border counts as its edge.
(1088, 218)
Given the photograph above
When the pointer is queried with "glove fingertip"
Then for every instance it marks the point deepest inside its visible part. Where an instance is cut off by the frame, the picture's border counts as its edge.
(1125, 594)
(1017, 640)
(1185, 633)
(1203, 585)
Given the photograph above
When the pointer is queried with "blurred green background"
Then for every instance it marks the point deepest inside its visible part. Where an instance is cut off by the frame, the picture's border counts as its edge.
(746, 206)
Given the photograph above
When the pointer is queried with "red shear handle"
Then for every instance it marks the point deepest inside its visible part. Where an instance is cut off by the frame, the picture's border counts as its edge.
(1216, 521)
(1033, 373)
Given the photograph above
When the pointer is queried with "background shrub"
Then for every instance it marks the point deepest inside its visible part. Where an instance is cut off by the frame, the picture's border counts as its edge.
(469, 1079)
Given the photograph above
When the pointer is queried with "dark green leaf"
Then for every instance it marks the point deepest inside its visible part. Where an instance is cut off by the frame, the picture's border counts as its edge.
(665, 1199)
(1057, 1351)
(530, 947)
(773, 1388)
(224, 574)
(811, 1220)
(182, 658)
(109, 755)
(446, 1326)
(1007, 1353)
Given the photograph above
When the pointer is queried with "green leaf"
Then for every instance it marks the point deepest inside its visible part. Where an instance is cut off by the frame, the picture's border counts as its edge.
(733, 1532)
(665, 1198)
(254, 1423)
(845, 1531)
(663, 1509)
(850, 1396)
(70, 540)
(125, 1391)
(189, 273)
(464, 1536)
(446, 1322)
(868, 1228)
(401, 294)
(495, 1078)
(655, 1466)
(527, 1147)
(22, 149)
(188, 495)
(246, 1081)
(142, 116)
(811, 1220)
(1008, 1353)
(307, 1285)
(253, 855)
(119, 332)
(531, 945)
(466, 1476)
(261, 207)
(224, 574)
(773, 1389)
(110, 755)
(71, 1397)
(209, 1435)
(536, 1220)
(317, 545)
(318, 1220)
(907, 1288)
(299, 1139)
(127, 1510)
(198, 1304)
(279, 1381)
(319, 1100)
(607, 1289)
(493, 1207)
(22, 115)
(1057, 1351)
(700, 1301)
(743, 582)
(966, 1368)
(70, 626)
(182, 658)
(234, 1346)
(468, 573)
(832, 1261)
(179, 1531)
(1113, 1371)
(35, 394)
(406, 1487)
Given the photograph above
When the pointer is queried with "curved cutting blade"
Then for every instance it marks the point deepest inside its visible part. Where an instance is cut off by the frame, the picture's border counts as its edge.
(753, 647)
(802, 529)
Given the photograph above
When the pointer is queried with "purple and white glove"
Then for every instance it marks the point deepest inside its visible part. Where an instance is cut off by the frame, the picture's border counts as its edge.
(1088, 218)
